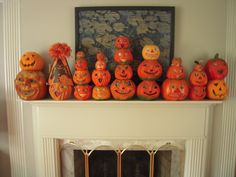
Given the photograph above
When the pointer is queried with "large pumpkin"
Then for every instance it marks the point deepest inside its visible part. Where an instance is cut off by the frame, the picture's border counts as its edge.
(83, 92)
(216, 68)
(101, 77)
(123, 56)
(122, 42)
(197, 92)
(149, 70)
(123, 72)
(122, 89)
(173, 89)
(198, 76)
(217, 90)
(81, 77)
(30, 85)
(101, 93)
(176, 70)
(148, 90)
(151, 52)
(31, 61)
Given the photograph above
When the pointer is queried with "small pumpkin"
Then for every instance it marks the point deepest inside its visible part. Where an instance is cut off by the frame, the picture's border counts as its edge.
(173, 89)
(81, 77)
(83, 92)
(123, 56)
(198, 76)
(149, 70)
(197, 92)
(80, 55)
(217, 90)
(148, 90)
(101, 93)
(122, 42)
(122, 89)
(216, 68)
(100, 56)
(101, 77)
(176, 70)
(123, 72)
(151, 52)
(100, 65)
(31, 61)
(81, 64)
(30, 85)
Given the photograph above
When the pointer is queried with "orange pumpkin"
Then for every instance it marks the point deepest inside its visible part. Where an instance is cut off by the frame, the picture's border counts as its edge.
(197, 92)
(83, 92)
(101, 77)
(198, 77)
(122, 42)
(101, 93)
(176, 70)
(122, 89)
(31, 61)
(100, 65)
(123, 56)
(81, 77)
(151, 52)
(173, 89)
(217, 90)
(148, 90)
(30, 85)
(123, 72)
(100, 56)
(81, 64)
(149, 70)
(80, 55)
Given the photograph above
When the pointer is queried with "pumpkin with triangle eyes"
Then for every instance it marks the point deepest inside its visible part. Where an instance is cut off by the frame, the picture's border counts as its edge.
(217, 90)
(101, 77)
(101, 93)
(123, 56)
(122, 42)
(149, 70)
(81, 77)
(123, 72)
(83, 92)
(123, 89)
(197, 92)
(148, 90)
(151, 52)
(198, 76)
(31, 61)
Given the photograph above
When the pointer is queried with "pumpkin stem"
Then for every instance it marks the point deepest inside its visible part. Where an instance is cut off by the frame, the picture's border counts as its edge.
(216, 55)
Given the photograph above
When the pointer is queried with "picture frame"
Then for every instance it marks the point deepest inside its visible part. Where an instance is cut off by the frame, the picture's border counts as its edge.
(97, 27)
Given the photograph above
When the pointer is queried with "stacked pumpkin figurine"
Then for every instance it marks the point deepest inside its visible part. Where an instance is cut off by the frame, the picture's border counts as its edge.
(149, 71)
(81, 77)
(123, 88)
(101, 78)
(30, 83)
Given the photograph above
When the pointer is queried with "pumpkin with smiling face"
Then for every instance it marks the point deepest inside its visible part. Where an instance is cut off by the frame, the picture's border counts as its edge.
(31, 61)
(122, 42)
(151, 52)
(81, 62)
(123, 89)
(176, 70)
(197, 92)
(198, 76)
(148, 90)
(101, 93)
(83, 92)
(149, 70)
(123, 72)
(30, 85)
(217, 90)
(81, 77)
(123, 56)
(101, 77)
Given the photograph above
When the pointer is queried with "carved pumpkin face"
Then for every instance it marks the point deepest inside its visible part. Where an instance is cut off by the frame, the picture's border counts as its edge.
(83, 92)
(101, 77)
(123, 56)
(30, 85)
(100, 56)
(101, 93)
(100, 65)
(31, 61)
(123, 72)
(173, 89)
(176, 70)
(198, 77)
(148, 90)
(151, 52)
(197, 92)
(81, 64)
(80, 55)
(122, 42)
(81, 77)
(122, 89)
(217, 90)
(149, 70)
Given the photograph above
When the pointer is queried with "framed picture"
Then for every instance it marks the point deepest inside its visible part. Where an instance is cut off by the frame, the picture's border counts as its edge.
(97, 27)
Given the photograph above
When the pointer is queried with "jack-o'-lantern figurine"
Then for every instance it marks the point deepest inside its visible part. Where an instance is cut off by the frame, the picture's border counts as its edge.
(31, 61)
(149, 70)
(148, 90)
(197, 92)
(217, 90)
(122, 42)
(60, 78)
(151, 52)
(176, 70)
(81, 62)
(123, 72)
(83, 92)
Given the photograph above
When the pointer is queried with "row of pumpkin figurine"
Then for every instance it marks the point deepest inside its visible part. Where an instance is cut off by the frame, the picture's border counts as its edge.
(30, 83)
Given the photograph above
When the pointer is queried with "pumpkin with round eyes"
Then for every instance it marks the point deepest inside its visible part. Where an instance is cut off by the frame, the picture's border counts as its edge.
(174, 90)
(30, 85)
(149, 70)
(176, 70)
(216, 68)
(198, 77)
(148, 90)
(123, 72)
(101, 93)
(100, 65)
(101, 77)
(151, 52)
(123, 89)
(31, 61)
(83, 92)
(123, 56)
(122, 42)
(197, 92)
(81, 77)
(217, 90)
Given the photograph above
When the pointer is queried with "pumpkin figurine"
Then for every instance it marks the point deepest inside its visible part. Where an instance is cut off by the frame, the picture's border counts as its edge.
(217, 90)
(176, 70)
(60, 78)
(151, 52)
(31, 61)
(197, 92)
(122, 42)
(148, 90)
(101, 93)
(149, 70)
(123, 56)
(83, 92)
(123, 72)
(81, 62)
